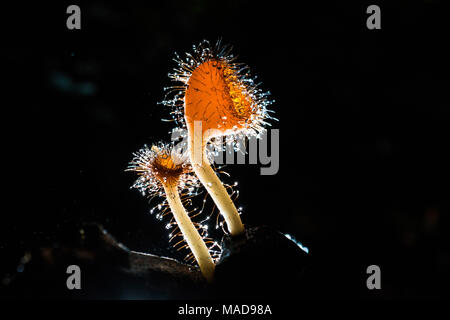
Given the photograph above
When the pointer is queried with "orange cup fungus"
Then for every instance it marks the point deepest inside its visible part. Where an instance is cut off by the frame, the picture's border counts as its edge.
(218, 99)
(161, 172)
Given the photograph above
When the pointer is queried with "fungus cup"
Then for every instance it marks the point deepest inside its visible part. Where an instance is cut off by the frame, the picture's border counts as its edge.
(163, 172)
(218, 98)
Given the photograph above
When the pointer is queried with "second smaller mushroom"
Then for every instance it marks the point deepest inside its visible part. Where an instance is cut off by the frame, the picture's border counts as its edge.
(162, 171)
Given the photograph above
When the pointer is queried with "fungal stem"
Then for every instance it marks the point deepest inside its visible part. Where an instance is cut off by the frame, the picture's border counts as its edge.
(214, 186)
(190, 233)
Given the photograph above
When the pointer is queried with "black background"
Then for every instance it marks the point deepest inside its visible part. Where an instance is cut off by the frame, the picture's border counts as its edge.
(363, 119)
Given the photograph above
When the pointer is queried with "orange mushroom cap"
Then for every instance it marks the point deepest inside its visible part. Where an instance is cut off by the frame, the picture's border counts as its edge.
(219, 92)
(159, 166)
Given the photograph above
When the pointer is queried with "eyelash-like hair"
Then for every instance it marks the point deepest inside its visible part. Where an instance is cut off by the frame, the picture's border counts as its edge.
(149, 185)
(174, 98)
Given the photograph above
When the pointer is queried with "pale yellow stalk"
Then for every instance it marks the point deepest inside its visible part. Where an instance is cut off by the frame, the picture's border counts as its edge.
(190, 233)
